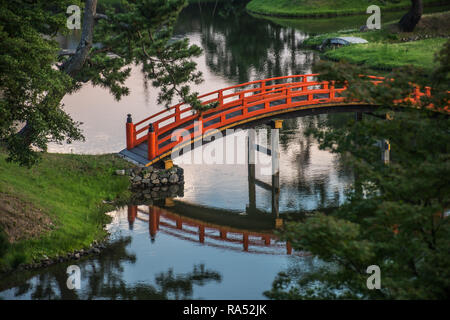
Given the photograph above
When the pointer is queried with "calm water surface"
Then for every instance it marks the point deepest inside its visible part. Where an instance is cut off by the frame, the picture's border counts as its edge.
(149, 256)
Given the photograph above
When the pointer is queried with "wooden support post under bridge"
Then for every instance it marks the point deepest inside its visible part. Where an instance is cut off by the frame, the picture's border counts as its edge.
(275, 145)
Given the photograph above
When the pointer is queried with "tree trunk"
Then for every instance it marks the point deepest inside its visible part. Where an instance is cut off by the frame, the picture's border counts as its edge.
(76, 62)
(409, 21)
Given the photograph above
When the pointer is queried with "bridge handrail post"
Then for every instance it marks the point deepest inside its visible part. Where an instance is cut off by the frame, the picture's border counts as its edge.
(201, 233)
(303, 80)
(310, 96)
(288, 95)
(179, 223)
(332, 92)
(220, 98)
(263, 86)
(245, 241)
(130, 133)
(288, 248)
(151, 142)
(177, 113)
(244, 107)
(200, 125)
(416, 94)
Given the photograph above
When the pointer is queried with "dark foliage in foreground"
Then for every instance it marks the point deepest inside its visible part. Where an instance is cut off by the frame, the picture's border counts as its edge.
(395, 214)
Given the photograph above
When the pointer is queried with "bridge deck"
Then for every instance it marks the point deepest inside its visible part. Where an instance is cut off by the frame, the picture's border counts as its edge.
(137, 154)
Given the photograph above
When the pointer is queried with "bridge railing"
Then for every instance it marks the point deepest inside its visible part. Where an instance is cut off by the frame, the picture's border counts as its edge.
(155, 128)
(179, 113)
(235, 104)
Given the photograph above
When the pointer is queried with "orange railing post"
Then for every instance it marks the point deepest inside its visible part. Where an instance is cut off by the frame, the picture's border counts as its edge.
(200, 126)
(151, 142)
(288, 247)
(305, 79)
(325, 85)
(263, 86)
(130, 132)
(132, 213)
(220, 98)
(177, 114)
(245, 240)
(201, 234)
(153, 221)
(288, 96)
(244, 107)
(332, 93)
(416, 94)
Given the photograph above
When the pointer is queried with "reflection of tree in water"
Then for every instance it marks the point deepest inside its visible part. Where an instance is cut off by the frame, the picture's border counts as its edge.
(294, 273)
(101, 271)
(241, 47)
(288, 133)
(332, 122)
(180, 286)
(295, 132)
(102, 277)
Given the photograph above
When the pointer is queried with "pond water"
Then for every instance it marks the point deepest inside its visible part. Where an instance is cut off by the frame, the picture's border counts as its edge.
(150, 255)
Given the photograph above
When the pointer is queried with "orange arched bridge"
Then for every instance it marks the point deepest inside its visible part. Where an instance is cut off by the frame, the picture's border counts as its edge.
(150, 140)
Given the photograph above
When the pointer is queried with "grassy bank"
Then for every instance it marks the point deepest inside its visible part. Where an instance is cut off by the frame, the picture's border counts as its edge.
(332, 24)
(213, 1)
(57, 206)
(189, 1)
(388, 56)
(325, 8)
(388, 48)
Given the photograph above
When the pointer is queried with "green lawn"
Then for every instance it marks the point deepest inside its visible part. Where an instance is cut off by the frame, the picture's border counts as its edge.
(70, 190)
(386, 50)
(387, 56)
(305, 8)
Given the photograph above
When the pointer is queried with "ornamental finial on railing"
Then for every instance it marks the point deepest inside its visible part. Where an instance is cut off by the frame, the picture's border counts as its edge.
(130, 132)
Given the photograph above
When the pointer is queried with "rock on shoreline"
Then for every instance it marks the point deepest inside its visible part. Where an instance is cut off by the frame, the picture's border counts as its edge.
(95, 249)
(150, 183)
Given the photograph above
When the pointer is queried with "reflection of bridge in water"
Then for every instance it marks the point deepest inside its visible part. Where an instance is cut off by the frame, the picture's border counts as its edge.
(250, 231)
(207, 233)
